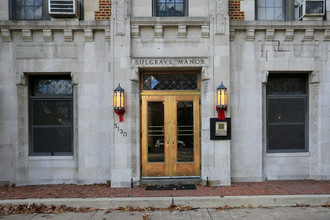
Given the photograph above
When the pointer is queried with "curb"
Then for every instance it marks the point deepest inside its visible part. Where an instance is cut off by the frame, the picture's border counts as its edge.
(196, 202)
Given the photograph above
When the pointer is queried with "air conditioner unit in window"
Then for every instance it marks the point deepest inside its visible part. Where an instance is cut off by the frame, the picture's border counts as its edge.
(311, 9)
(63, 8)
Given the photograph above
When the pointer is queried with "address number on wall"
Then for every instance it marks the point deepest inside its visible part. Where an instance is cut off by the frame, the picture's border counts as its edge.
(119, 130)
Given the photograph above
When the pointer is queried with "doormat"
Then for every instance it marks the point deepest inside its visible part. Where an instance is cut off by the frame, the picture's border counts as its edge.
(172, 187)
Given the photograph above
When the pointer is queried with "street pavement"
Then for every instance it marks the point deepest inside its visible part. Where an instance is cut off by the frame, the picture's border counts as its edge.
(280, 213)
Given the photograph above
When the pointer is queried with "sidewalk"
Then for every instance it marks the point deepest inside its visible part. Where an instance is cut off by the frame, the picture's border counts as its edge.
(268, 193)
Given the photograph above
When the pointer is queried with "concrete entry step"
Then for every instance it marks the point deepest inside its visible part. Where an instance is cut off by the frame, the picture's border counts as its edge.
(167, 181)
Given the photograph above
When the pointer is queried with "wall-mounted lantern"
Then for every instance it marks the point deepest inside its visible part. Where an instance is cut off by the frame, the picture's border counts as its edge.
(118, 102)
(221, 101)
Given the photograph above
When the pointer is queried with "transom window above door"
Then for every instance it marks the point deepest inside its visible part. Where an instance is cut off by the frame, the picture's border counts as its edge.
(159, 81)
(170, 8)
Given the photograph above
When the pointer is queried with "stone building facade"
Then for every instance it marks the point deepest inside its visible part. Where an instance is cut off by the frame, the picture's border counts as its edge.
(58, 75)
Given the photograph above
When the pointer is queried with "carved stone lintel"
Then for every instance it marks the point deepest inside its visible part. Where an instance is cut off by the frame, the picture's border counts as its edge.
(21, 79)
(6, 35)
(221, 13)
(309, 35)
(68, 35)
(327, 35)
(289, 34)
(107, 35)
(270, 34)
(48, 35)
(158, 31)
(120, 17)
(89, 36)
(182, 31)
(250, 35)
(205, 31)
(232, 34)
(135, 31)
(27, 35)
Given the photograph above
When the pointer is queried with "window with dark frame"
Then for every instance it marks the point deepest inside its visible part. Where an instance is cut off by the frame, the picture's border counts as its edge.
(51, 115)
(170, 8)
(28, 10)
(287, 113)
(274, 10)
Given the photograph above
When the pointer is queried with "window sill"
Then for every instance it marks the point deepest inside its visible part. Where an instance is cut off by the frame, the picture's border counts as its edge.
(50, 158)
(298, 154)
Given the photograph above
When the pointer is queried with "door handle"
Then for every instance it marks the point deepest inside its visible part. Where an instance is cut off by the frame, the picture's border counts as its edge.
(173, 139)
(167, 140)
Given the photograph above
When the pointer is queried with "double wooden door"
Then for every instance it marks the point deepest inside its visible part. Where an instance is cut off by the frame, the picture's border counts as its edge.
(170, 135)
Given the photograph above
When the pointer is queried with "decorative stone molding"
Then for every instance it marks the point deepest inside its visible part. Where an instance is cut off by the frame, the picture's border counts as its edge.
(232, 34)
(21, 79)
(270, 34)
(74, 77)
(309, 35)
(327, 35)
(250, 35)
(315, 148)
(6, 35)
(48, 35)
(158, 31)
(182, 31)
(221, 13)
(89, 35)
(205, 31)
(68, 35)
(135, 75)
(315, 77)
(265, 77)
(107, 34)
(27, 35)
(135, 31)
(120, 17)
(205, 74)
(289, 35)
(135, 124)
(23, 152)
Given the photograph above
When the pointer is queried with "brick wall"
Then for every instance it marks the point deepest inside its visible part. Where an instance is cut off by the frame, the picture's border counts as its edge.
(235, 12)
(104, 12)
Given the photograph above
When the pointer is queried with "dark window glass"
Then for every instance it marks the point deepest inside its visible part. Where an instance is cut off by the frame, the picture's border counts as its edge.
(170, 8)
(170, 82)
(28, 9)
(287, 125)
(274, 10)
(51, 116)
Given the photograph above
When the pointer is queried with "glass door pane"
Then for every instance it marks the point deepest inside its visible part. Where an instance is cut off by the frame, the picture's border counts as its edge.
(185, 131)
(156, 132)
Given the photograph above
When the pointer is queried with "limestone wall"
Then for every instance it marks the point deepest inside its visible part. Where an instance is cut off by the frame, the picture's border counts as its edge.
(80, 50)
(255, 52)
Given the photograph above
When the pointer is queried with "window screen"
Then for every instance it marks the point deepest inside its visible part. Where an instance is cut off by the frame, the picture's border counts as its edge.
(287, 113)
(51, 116)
